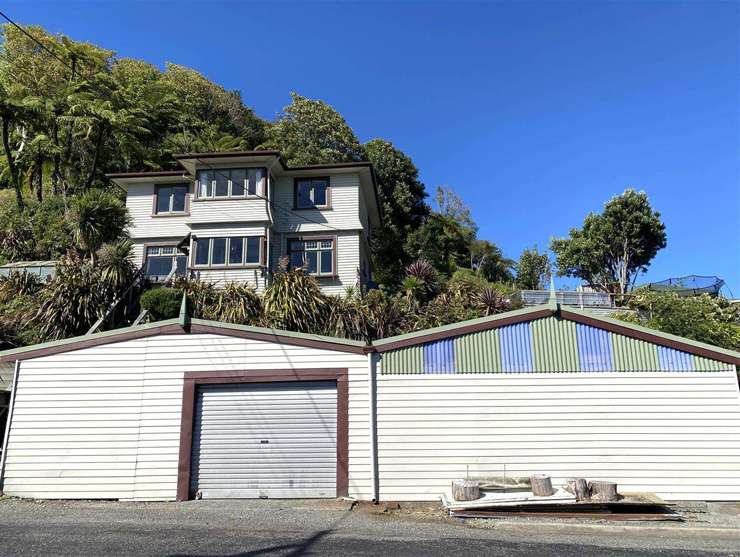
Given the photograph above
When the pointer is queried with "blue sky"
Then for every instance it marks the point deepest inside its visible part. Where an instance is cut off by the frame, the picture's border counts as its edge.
(534, 112)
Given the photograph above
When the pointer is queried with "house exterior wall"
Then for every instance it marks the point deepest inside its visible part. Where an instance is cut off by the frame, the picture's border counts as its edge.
(673, 433)
(104, 422)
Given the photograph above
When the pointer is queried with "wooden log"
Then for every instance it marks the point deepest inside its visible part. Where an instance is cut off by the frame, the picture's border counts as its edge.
(603, 491)
(581, 490)
(465, 490)
(541, 485)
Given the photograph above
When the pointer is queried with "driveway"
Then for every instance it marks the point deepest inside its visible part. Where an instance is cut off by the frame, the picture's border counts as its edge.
(293, 528)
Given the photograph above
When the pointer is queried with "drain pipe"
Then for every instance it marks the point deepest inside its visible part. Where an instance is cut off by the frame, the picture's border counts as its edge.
(372, 360)
(8, 423)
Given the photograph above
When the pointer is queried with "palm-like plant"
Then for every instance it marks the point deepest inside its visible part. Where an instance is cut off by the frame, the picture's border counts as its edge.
(18, 283)
(294, 301)
(237, 303)
(490, 301)
(116, 268)
(97, 217)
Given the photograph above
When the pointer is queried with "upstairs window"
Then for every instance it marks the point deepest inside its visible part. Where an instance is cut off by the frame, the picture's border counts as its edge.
(315, 256)
(171, 199)
(226, 183)
(229, 252)
(312, 193)
(161, 259)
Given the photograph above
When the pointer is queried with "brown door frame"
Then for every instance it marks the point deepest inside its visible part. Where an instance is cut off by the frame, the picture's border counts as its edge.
(193, 379)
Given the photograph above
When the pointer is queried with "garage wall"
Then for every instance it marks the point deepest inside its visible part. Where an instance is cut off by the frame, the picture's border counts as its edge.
(674, 433)
(104, 422)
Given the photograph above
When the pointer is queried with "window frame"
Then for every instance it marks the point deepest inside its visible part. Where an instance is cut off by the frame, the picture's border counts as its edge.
(179, 252)
(324, 207)
(171, 213)
(227, 265)
(334, 249)
(260, 189)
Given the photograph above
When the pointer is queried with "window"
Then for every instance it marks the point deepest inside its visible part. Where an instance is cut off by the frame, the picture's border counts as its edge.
(231, 183)
(312, 193)
(228, 252)
(315, 256)
(171, 199)
(160, 260)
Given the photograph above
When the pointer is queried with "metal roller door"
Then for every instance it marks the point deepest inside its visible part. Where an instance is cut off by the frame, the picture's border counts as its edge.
(265, 440)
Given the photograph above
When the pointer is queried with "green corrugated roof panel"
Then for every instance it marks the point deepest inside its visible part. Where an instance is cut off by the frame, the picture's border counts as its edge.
(404, 360)
(555, 345)
(631, 354)
(705, 364)
(478, 352)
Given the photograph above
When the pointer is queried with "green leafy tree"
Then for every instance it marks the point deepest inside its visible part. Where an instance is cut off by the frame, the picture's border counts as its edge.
(97, 217)
(533, 270)
(487, 259)
(713, 320)
(311, 132)
(402, 197)
(612, 248)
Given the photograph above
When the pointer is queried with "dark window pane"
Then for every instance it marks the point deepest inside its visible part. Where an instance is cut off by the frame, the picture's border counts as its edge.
(201, 252)
(204, 183)
(238, 176)
(178, 198)
(319, 192)
(158, 266)
(296, 259)
(296, 245)
(253, 249)
(182, 263)
(327, 262)
(312, 262)
(222, 183)
(163, 199)
(236, 251)
(303, 195)
(219, 251)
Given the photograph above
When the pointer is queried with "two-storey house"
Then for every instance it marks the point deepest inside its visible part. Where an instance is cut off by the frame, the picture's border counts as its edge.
(231, 217)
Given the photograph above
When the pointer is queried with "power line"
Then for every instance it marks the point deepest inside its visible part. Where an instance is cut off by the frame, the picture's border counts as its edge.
(34, 39)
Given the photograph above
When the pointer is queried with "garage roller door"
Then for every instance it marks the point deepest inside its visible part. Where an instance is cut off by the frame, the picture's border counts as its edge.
(265, 440)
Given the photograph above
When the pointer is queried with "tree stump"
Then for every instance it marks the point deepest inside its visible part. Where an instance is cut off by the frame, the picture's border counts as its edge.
(603, 491)
(580, 489)
(541, 485)
(465, 490)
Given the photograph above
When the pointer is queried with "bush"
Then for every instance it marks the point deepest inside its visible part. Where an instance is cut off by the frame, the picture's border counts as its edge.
(162, 303)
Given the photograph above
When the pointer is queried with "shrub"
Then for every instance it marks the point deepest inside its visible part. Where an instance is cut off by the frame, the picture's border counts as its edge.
(162, 303)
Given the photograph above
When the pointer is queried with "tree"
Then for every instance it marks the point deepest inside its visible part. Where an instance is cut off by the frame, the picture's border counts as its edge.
(614, 247)
(97, 217)
(487, 259)
(713, 320)
(533, 270)
(401, 195)
(442, 241)
(311, 132)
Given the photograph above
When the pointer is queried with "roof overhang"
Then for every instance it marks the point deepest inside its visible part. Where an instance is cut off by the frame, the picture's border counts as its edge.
(192, 161)
(124, 179)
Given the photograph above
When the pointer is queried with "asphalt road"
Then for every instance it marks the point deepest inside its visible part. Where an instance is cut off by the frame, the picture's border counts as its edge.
(275, 528)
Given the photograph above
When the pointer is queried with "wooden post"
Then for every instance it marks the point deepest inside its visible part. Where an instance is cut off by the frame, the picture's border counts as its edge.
(465, 490)
(541, 485)
(603, 491)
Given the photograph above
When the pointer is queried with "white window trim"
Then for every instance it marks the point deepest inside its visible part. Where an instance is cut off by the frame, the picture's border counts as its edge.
(261, 186)
(334, 252)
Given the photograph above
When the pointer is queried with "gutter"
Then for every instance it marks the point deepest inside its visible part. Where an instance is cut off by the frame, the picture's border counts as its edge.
(8, 424)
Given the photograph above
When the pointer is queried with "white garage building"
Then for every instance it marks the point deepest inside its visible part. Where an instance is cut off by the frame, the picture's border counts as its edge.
(190, 408)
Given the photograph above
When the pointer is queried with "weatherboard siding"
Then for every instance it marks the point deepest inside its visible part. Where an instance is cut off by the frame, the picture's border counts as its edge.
(104, 422)
(344, 213)
(140, 204)
(674, 433)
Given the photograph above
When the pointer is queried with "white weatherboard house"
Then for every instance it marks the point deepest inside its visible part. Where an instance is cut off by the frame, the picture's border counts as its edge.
(180, 408)
(231, 216)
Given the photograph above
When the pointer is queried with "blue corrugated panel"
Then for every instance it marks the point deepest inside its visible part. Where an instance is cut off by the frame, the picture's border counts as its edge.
(674, 360)
(594, 348)
(516, 347)
(439, 357)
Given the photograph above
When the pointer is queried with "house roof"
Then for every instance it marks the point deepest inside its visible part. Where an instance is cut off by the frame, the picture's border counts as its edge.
(181, 326)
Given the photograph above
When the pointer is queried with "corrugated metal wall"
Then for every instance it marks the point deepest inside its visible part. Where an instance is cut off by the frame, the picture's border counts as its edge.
(545, 345)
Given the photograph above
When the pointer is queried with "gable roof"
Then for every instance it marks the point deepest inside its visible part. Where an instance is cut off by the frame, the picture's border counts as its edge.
(536, 312)
(180, 326)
